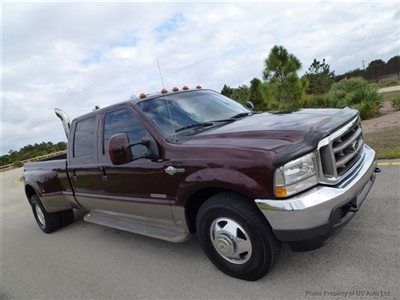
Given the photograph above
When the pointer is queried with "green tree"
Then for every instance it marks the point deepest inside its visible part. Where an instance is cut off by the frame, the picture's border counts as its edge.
(393, 66)
(226, 91)
(256, 94)
(375, 69)
(320, 77)
(31, 151)
(281, 72)
(241, 94)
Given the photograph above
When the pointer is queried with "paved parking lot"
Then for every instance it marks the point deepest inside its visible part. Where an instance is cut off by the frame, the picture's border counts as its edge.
(89, 261)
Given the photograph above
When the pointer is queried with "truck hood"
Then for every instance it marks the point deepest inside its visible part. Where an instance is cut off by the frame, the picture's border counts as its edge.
(277, 131)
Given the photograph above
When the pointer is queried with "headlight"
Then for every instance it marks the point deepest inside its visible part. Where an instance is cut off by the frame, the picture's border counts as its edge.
(296, 176)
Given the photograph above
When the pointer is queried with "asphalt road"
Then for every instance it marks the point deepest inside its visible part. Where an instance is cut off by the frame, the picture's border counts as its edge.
(89, 261)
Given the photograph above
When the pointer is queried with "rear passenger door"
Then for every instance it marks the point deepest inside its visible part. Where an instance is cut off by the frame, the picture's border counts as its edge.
(83, 165)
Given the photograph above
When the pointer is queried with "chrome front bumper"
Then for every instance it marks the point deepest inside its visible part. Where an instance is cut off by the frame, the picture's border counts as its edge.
(314, 208)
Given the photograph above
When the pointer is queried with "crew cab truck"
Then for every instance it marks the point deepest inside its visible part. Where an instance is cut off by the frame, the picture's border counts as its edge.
(193, 161)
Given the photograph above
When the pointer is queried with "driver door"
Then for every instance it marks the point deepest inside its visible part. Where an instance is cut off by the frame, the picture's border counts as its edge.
(136, 188)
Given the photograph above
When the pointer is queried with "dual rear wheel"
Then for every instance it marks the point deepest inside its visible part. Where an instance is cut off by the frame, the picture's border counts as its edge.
(49, 222)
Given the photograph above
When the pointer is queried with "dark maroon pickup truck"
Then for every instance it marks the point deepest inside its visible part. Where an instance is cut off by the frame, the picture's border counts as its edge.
(193, 161)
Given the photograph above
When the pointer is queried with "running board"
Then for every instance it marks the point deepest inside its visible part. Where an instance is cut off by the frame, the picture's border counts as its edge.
(126, 223)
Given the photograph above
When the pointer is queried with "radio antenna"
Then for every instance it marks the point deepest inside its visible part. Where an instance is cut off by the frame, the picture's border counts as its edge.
(159, 71)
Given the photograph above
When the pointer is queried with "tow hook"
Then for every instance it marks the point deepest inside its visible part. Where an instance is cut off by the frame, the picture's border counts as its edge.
(353, 208)
(377, 170)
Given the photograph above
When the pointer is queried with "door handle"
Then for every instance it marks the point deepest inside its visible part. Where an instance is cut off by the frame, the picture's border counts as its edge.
(172, 170)
(74, 177)
(103, 174)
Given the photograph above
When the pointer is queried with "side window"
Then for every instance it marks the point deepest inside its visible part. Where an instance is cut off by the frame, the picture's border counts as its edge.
(124, 121)
(85, 138)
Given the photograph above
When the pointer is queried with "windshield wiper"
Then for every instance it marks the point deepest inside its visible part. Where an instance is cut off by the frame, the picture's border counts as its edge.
(204, 124)
(235, 117)
(241, 115)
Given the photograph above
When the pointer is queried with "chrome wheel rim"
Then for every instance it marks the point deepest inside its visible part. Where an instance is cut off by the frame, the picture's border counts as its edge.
(230, 240)
(40, 215)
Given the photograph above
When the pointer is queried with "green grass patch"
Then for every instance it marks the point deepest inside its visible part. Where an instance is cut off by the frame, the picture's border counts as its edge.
(390, 96)
(386, 142)
(396, 102)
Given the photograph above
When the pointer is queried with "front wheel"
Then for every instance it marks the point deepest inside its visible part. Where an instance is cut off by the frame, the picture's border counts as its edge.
(236, 237)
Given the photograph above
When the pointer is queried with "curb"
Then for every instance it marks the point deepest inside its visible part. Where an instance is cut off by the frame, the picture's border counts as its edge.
(386, 163)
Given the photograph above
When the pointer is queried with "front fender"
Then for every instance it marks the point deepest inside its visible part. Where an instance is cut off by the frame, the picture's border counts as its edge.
(218, 178)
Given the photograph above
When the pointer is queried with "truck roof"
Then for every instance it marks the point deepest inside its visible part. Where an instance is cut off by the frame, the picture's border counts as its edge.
(136, 99)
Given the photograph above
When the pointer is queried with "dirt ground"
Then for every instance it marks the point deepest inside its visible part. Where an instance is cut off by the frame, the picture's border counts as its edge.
(389, 116)
(383, 132)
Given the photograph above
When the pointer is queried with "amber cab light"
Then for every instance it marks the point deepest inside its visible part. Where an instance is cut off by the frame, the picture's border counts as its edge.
(175, 89)
(142, 95)
(164, 91)
(198, 87)
(185, 88)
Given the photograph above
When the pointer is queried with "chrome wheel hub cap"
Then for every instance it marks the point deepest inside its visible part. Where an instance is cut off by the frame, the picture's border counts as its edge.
(39, 214)
(230, 240)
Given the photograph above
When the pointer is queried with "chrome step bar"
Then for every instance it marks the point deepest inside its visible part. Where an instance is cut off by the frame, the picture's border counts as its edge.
(128, 223)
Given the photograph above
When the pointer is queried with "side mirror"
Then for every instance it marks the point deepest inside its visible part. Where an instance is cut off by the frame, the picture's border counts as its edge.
(250, 105)
(119, 150)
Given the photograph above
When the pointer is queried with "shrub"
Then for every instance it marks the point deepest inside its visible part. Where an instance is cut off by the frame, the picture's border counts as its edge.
(356, 93)
(18, 164)
(392, 83)
(367, 109)
(396, 102)
(316, 101)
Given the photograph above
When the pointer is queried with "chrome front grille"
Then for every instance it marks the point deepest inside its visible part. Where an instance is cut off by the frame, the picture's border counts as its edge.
(340, 151)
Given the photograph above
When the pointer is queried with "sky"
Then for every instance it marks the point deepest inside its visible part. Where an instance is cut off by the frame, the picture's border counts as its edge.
(77, 55)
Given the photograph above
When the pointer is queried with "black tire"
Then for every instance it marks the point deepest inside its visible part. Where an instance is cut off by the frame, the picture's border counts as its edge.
(265, 247)
(50, 222)
(67, 217)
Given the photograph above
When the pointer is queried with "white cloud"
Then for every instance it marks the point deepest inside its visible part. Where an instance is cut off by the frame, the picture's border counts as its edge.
(77, 55)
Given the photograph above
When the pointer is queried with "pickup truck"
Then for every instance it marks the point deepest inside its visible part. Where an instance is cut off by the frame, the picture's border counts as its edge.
(192, 161)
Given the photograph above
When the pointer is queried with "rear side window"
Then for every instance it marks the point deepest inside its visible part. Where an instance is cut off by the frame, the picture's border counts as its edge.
(124, 121)
(85, 138)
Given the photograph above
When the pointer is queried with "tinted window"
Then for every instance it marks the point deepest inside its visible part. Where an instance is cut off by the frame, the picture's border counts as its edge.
(85, 132)
(124, 121)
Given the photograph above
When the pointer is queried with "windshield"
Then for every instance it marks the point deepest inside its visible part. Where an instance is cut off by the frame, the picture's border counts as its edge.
(179, 116)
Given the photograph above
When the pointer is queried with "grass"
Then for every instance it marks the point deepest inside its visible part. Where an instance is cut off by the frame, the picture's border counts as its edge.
(396, 102)
(386, 142)
(390, 83)
(390, 96)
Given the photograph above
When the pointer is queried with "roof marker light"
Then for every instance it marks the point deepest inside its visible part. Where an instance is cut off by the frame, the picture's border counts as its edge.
(198, 87)
(185, 88)
(164, 91)
(175, 89)
(142, 95)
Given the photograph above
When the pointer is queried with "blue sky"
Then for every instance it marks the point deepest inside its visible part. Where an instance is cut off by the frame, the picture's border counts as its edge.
(78, 55)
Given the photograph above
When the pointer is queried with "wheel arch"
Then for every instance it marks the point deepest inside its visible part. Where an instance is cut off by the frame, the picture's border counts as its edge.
(198, 198)
(30, 191)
